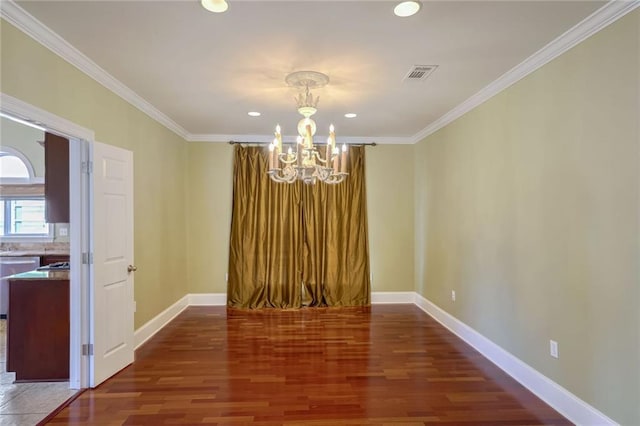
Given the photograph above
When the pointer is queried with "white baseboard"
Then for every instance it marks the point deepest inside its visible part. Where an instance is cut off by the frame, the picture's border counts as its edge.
(207, 299)
(566, 403)
(156, 324)
(382, 297)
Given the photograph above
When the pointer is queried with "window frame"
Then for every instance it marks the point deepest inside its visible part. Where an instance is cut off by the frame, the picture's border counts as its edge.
(13, 237)
(9, 236)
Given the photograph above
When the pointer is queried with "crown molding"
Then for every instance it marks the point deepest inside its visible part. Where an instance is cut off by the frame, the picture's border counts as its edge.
(35, 29)
(601, 18)
(349, 140)
(595, 22)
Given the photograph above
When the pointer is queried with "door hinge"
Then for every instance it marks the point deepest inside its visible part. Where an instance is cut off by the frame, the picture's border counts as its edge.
(87, 349)
(87, 167)
(87, 258)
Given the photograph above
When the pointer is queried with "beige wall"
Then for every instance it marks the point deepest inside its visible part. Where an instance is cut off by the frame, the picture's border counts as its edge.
(35, 75)
(210, 173)
(390, 214)
(528, 207)
(390, 208)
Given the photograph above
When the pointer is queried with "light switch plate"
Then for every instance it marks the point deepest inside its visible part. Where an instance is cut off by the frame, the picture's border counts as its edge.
(553, 348)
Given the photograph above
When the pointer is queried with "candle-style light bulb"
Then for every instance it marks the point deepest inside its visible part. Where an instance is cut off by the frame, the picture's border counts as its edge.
(343, 160)
(278, 139)
(327, 153)
(289, 151)
(309, 141)
(299, 147)
(332, 135)
(272, 158)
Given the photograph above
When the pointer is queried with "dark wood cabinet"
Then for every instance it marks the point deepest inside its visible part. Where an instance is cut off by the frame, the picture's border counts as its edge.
(48, 259)
(38, 330)
(56, 178)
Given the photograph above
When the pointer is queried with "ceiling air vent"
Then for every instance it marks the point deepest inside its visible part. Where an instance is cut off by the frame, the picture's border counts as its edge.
(419, 72)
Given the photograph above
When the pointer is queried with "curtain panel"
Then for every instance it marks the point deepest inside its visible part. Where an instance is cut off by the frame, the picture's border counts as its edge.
(295, 244)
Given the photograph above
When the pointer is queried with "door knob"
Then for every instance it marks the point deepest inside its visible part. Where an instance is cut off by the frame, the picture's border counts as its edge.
(132, 268)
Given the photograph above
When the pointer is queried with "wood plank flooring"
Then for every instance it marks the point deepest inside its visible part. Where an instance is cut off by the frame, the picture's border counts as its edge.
(386, 364)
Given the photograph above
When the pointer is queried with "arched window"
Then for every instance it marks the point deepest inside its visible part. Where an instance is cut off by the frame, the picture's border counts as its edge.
(14, 166)
(20, 215)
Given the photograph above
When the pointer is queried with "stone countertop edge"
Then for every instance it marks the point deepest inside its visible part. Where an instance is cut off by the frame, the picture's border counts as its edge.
(26, 253)
(39, 275)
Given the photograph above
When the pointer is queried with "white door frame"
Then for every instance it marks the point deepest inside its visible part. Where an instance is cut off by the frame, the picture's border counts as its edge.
(80, 139)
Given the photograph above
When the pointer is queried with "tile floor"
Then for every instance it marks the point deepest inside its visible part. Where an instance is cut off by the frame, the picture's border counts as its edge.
(25, 404)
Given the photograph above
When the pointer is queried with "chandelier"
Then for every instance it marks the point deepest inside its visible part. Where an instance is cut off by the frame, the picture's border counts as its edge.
(305, 161)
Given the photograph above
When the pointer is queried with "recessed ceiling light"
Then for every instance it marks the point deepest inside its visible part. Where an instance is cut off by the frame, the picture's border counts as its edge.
(406, 8)
(351, 115)
(217, 6)
(254, 113)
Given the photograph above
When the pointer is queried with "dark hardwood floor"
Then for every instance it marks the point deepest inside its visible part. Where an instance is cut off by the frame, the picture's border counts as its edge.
(387, 364)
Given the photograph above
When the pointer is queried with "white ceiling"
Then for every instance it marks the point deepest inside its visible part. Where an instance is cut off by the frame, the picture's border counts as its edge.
(206, 71)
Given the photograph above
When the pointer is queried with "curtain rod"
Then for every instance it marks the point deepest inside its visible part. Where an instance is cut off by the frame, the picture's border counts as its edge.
(267, 143)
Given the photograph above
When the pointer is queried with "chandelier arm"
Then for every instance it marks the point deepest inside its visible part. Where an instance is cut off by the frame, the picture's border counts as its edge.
(318, 157)
(282, 175)
(283, 157)
(335, 179)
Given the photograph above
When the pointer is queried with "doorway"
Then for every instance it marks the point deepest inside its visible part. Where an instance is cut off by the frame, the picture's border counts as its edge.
(31, 240)
(92, 284)
(28, 403)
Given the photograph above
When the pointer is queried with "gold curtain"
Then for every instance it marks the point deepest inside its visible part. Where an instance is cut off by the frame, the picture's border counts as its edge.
(266, 236)
(335, 267)
(288, 236)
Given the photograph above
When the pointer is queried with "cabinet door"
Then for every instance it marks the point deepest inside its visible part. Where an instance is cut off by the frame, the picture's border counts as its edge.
(38, 330)
(53, 258)
(56, 178)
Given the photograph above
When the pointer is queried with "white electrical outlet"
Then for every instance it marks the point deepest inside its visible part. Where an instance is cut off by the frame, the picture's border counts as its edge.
(553, 348)
(63, 231)
(226, 277)
(453, 295)
(135, 306)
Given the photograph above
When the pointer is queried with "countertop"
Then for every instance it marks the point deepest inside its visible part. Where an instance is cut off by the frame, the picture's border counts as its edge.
(25, 253)
(41, 275)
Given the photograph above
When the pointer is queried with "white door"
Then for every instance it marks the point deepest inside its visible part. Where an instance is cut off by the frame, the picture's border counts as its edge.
(112, 288)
